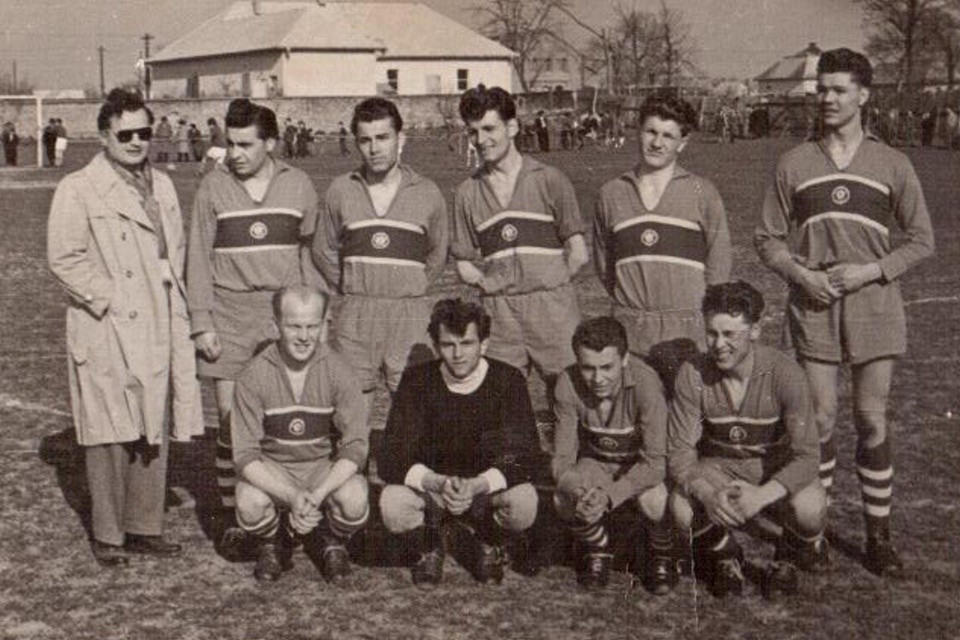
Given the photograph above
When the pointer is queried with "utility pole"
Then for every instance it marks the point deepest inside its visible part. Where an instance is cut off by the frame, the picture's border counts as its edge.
(146, 68)
(103, 84)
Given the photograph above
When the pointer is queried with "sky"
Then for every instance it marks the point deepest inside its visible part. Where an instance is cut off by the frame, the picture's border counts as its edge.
(54, 42)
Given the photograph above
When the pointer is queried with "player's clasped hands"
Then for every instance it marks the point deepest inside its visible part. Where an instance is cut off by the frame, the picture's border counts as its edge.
(722, 508)
(458, 494)
(847, 278)
(820, 286)
(305, 512)
(592, 504)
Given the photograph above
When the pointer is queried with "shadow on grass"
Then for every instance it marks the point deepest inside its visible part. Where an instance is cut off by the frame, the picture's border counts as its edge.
(61, 451)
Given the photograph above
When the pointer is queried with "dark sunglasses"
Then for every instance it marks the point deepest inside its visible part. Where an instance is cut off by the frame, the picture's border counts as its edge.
(126, 135)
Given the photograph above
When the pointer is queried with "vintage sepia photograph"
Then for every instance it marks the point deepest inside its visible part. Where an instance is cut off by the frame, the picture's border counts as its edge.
(479, 319)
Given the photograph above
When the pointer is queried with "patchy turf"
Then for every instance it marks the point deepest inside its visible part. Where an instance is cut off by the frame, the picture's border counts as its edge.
(50, 587)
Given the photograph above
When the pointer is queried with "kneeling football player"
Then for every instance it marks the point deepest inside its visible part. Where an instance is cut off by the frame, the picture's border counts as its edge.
(460, 449)
(299, 437)
(610, 447)
(741, 439)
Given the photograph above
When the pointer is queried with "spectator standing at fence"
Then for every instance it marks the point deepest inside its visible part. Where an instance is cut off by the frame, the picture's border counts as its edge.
(60, 145)
(10, 140)
(162, 137)
(49, 140)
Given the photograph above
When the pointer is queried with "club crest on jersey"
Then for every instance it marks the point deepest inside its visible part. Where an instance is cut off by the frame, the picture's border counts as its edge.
(609, 443)
(258, 230)
(650, 237)
(380, 240)
(840, 195)
(509, 232)
(297, 427)
(737, 434)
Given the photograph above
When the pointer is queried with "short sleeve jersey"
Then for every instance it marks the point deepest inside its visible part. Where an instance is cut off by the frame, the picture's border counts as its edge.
(521, 244)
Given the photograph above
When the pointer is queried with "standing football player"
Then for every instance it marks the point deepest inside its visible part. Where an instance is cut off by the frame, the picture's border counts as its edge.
(523, 218)
(660, 237)
(381, 242)
(826, 229)
(252, 224)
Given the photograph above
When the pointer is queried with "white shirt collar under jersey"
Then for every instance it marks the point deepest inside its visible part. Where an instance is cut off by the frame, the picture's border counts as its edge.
(469, 384)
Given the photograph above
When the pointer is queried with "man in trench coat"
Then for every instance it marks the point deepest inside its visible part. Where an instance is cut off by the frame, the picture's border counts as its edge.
(115, 243)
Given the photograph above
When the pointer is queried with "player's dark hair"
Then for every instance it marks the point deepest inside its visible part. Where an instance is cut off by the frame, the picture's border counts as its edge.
(373, 109)
(456, 314)
(845, 60)
(302, 292)
(474, 103)
(242, 113)
(597, 334)
(735, 299)
(118, 101)
(668, 107)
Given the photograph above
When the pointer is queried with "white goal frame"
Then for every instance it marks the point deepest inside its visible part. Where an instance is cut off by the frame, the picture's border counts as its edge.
(38, 101)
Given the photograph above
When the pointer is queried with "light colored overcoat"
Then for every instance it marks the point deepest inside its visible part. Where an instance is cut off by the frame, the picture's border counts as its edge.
(128, 333)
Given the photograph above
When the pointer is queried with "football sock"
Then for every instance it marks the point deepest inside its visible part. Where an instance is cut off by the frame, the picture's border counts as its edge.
(660, 538)
(593, 536)
(342, 529)
(875, 470)
(226, 474)
(828, 462)
(267, 527)
(714, 540)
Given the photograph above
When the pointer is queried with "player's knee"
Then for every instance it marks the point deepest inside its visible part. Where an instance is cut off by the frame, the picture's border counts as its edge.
(810, 507)
(653, 502)
(681, 510)
(400, 508)
(871, 425)
(517, 507)
(825, 414)
(252, 503)
(350, 500)
(568, 490)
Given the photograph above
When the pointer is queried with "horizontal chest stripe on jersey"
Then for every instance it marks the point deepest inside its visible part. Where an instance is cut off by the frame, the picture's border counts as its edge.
(849, 217)
(298, 425)
(867, 200)
(654, 238)
(519, 230)
(612, 445)
(517, 215)
(743, 431)
(852, 177)
(384, 241)
(257, 228)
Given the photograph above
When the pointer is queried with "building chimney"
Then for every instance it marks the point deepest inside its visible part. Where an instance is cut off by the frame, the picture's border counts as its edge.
(256, 7)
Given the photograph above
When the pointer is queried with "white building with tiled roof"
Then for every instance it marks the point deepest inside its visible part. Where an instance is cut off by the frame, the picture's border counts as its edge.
(794, 75)
(265, 49)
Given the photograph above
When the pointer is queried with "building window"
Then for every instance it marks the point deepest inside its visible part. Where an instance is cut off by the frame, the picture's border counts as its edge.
(462, 79)
(548, 64)
(564, 65)
(393, 78)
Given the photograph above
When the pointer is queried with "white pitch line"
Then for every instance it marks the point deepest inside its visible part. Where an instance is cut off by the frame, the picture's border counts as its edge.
(9, 402)
(910, 303)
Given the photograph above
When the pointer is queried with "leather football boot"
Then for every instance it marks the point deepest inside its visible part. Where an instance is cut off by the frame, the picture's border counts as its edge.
(780, 578)
(269, 564)
(662, 575)
(882, 559)
(334, 561)
(428, 568)
(594, 570)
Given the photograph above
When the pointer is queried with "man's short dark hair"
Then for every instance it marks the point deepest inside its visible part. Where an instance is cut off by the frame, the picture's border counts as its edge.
(211, 121)
(597, 334)
(669, 108)
(845, 60)
(242, 113)
(456, 314)
(373, 109)
(735, 299)
(118, 101)
(474, 104)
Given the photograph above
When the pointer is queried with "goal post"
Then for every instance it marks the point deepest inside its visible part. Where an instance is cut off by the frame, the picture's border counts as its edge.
(38, 107)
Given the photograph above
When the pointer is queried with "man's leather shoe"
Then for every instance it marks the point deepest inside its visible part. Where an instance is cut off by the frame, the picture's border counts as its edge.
(109, 555)
(151, 545)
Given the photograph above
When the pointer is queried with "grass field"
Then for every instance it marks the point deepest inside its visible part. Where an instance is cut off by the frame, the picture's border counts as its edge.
(50, 586)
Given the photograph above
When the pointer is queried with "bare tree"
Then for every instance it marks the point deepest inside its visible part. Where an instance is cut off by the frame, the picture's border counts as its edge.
(896, 32)
(944, 26)
(11, 87)
(639, 38)
(520, 25)
(678, 47)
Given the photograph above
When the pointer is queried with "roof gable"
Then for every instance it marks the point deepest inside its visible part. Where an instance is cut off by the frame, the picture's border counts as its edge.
(392, 29)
